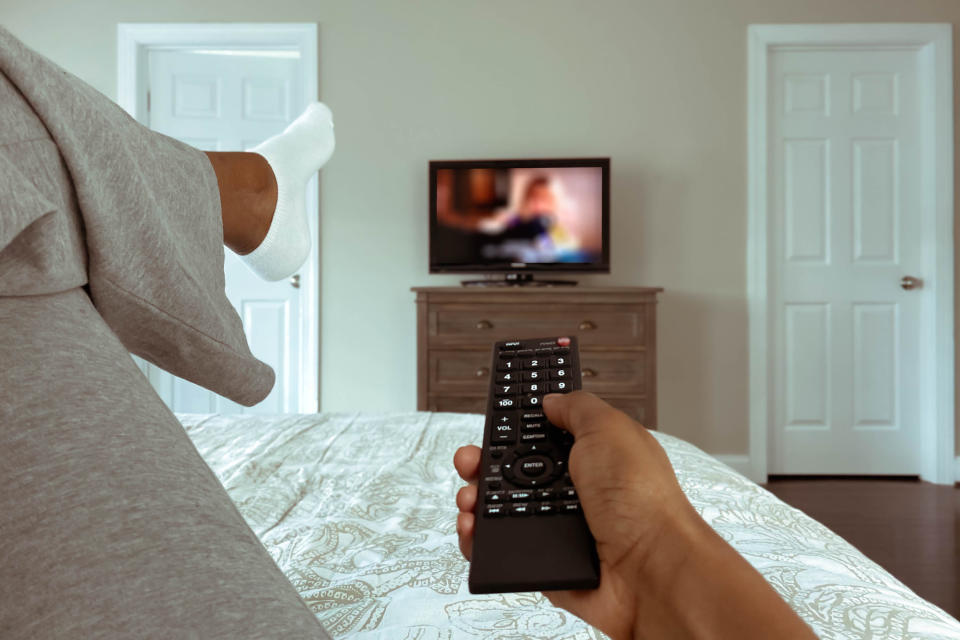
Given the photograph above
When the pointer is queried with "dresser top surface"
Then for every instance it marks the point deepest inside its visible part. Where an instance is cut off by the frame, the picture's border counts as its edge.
(526, 290)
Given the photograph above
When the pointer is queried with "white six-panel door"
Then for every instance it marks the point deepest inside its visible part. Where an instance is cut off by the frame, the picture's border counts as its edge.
(844, 141)
(223, 100)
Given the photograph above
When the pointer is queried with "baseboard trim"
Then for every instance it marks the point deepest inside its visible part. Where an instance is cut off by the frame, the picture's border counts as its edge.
(740, 462)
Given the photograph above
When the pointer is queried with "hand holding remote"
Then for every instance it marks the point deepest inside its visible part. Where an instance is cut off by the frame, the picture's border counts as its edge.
(663, 570)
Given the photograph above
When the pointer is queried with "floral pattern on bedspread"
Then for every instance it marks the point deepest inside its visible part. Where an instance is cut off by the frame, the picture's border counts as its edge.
(358, 511)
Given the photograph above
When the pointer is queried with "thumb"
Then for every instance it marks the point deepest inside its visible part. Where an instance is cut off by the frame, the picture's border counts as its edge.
(578, 412)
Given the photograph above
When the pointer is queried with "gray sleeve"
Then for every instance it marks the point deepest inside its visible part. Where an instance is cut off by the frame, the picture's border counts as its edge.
(153, 235)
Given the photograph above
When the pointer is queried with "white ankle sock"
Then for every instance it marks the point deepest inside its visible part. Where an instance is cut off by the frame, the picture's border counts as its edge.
(294, 155)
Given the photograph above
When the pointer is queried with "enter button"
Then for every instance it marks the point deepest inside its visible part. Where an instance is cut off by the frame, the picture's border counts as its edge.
(534, 467)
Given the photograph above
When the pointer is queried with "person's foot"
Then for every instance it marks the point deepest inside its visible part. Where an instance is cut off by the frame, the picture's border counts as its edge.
(294, 155)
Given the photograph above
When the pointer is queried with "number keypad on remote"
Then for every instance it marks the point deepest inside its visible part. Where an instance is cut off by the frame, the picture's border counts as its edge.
(530, 476)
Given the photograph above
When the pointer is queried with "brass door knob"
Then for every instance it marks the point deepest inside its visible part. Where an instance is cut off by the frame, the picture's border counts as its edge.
(909, 282)
(587, 325)
(482, 372)
(588, 373)
(484, 324)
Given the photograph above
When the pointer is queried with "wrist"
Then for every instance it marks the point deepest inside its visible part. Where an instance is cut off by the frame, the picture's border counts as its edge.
(663, 574)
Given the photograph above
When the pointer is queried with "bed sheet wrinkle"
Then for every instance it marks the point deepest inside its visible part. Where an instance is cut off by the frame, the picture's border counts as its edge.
(370, 542)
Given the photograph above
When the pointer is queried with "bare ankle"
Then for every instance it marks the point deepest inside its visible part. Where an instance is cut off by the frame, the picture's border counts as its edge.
(248, 198)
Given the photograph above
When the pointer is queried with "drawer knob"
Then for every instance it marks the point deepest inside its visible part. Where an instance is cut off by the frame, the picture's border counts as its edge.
(588, 373)
(484, 324)
(587, 325)
(482, 372)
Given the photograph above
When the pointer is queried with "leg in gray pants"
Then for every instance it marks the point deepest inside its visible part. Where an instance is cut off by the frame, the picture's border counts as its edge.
(111, 525)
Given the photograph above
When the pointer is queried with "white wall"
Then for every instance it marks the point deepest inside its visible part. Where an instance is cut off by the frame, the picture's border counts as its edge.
(658, 85)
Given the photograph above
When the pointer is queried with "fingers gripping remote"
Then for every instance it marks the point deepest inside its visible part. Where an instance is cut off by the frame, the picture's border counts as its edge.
(530, 534)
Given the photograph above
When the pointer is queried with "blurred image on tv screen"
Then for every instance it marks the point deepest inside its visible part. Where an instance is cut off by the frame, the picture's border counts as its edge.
(530, 215)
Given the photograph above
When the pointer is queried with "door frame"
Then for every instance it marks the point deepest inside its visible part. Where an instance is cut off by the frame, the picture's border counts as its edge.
(935, 79)
(135, 40)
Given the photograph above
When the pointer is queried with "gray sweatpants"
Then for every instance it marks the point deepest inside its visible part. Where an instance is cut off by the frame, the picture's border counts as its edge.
(111, 525)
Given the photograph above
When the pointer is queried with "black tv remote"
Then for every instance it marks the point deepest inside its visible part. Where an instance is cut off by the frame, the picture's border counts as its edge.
(530, 533)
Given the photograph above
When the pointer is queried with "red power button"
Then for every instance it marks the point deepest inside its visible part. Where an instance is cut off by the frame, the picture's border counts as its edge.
(563, 342)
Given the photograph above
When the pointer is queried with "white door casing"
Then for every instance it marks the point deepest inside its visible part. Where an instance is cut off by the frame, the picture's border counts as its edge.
(850, 190)
(224, 88)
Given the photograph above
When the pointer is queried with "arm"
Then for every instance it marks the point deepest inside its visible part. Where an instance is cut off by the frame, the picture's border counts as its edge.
(664, 571)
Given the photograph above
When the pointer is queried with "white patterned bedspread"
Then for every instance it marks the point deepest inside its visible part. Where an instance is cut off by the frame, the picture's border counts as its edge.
(358, 510)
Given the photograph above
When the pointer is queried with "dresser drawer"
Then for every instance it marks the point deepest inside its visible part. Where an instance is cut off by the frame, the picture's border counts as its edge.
(633, 407)
(459, 370)
(623, 372)
(598, 325)
(458, 404)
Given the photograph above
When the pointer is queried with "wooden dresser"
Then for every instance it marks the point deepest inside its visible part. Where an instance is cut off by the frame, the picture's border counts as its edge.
(617, 328)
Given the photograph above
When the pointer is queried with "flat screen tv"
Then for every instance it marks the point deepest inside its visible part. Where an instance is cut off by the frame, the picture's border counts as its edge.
(518, 216)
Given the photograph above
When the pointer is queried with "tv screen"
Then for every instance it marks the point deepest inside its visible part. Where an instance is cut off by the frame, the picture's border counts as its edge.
(519, 215)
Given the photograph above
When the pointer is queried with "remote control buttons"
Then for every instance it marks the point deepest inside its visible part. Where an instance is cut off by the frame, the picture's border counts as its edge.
(533, 467)
(560, 386)
(520, 510)
(531, 401)
(560, 374)
(508, 365)
(531, 376)
(521, 496)
(539, 449)
(528, 427)
(492, 497)
(563, 342)
(570, 507)
(507, 377)
(528, 416)
(504, 428)
(535, 363)
(534, 387)
(508, 389)
(559, 361)
(525, 353)
(546, 494)
(506, 403)
(533, 437)
(545, 508)
(494, 511)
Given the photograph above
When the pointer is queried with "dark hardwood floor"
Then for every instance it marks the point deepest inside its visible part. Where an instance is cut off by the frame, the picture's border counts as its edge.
(910, 528)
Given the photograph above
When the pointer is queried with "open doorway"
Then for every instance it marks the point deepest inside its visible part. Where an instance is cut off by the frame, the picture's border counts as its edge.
(228, 87)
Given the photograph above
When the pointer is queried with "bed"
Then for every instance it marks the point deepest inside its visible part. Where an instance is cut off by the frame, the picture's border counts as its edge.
(358, 511)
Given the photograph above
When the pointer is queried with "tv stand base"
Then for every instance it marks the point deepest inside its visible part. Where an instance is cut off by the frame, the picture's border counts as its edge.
(518, 280)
